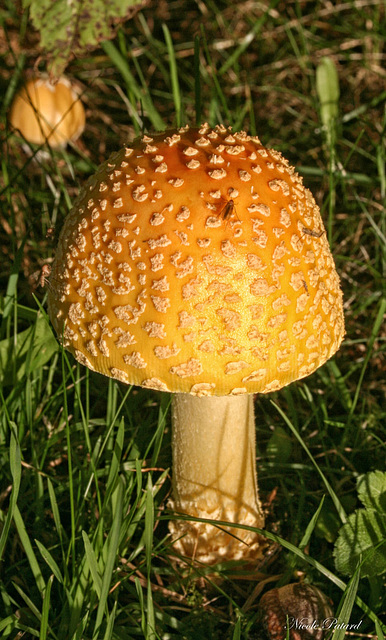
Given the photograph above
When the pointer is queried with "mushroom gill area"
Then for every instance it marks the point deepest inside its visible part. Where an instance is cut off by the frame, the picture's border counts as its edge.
(196, 261)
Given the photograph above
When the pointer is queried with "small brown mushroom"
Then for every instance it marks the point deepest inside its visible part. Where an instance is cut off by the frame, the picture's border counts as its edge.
(300, 608)
(48, 112)
(156, 287)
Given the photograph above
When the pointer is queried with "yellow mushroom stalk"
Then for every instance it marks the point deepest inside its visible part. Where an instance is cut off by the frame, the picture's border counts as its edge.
(195, 262)
(214, 477)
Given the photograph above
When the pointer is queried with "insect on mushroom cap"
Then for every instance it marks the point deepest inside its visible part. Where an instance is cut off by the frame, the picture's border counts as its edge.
(154, 286)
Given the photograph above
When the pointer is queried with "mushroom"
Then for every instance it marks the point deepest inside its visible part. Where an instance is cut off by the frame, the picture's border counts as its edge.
(192, 262)
(48, 112)
(300, 609)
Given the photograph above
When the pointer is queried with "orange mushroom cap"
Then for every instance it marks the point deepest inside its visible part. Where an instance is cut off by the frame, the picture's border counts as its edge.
(195, 261)
(48, 112)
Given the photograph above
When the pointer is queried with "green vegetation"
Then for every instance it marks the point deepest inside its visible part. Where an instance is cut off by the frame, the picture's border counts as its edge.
(362, 539)
(73, 28)
(84, 461)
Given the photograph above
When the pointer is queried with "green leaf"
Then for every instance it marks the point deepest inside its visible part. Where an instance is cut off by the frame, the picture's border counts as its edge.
(364, 535)
(279, 446)
(69, 29)
(372, 490)
(27, 351)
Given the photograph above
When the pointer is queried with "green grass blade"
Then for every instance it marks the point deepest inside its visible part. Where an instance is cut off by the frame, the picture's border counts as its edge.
(340, 384)
(237, 630)
(377, 229)
(379, 632)
(116, 459)
(159, 434)
(149, 523)
(46, 610)
(370, 345)
(359, 111)
(248, 39)
(93, 564)
(348, 603)
(140, 95)
(141, 604)
(15, 465)
(110, 624)
(10, 90)
(148, 535)
(30, 604)
(97, 450)
(311, 526)
(10, 294)
(238, 122)
(173, 76)
(10, 622)
(31, 557)
(197, 80)
(218, 90)
(150, 626)
(80, 595)
(138, 475)
(381, 162)
(334, 497)
(84, 421)
(50, 561)
(111, 401)
(71, 546)
(55, 509)
(112, 543)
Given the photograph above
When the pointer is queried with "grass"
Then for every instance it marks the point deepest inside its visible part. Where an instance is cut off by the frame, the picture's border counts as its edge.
(84, 461)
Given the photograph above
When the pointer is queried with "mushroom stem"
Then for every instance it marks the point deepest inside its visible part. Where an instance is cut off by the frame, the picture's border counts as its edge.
(214, 476)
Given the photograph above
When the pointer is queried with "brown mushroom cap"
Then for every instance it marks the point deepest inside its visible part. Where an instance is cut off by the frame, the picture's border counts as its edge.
(43, 111)
(196, 261)
(280, 607)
